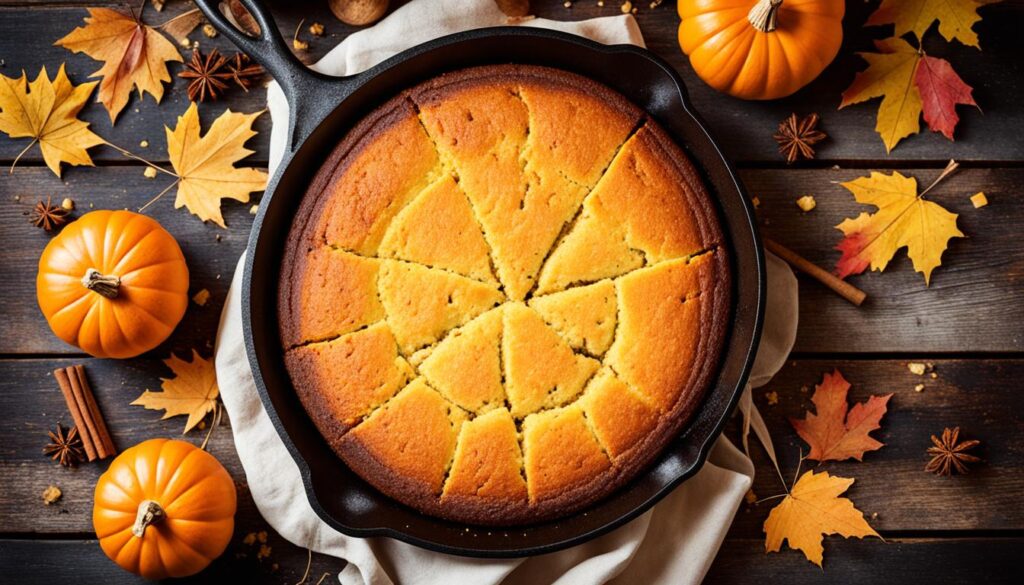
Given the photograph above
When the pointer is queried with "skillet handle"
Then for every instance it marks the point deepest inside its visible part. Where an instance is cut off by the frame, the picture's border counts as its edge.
(320, 93)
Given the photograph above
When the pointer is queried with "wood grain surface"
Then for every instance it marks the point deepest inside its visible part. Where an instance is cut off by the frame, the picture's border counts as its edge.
(969, 322)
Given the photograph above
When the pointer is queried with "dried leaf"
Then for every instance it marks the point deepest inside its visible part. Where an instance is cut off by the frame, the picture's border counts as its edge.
(133, 55)
(193, 390)
(812, 509)
(205, 165)
(941, 90)
(956, 17)
(47, 111)
(180, 26)
(890, 75)
(834, 433)
(903, 218)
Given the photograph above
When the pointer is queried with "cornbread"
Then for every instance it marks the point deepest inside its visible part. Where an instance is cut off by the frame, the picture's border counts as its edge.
(503, 295)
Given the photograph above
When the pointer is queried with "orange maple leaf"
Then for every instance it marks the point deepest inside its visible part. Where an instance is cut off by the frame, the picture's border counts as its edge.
(834, 433)
(133, 54)
(192, 391)
(812, 509)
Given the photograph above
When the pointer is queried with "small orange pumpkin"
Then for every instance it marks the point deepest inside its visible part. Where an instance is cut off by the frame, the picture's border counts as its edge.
(113, 283)
(760, 49)
(164, 508)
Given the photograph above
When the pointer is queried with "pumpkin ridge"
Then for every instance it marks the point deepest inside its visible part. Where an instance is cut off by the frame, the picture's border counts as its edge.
(128, 256)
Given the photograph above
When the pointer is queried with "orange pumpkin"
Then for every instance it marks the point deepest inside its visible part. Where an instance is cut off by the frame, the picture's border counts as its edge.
(164, 508)
(114, 283)
(760, 49)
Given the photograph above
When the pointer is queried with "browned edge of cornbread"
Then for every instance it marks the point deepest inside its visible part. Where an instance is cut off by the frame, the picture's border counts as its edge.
(715, 307)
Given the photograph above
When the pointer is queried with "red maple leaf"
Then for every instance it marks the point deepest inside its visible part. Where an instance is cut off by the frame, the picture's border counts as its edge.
(835, 433)
(941, 90)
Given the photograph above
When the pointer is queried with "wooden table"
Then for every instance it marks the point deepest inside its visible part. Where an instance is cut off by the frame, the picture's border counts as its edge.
(969, 322)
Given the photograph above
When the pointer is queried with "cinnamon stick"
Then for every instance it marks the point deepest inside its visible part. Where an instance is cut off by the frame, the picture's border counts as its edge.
(81, 403)
(838, 285)
(64, 381)
(97, 417)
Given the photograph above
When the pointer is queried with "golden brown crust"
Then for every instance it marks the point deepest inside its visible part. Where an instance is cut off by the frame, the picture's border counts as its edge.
(566, 391)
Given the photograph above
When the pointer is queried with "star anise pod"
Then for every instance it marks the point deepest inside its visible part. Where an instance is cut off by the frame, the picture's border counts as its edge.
(206, 74)
(948, 453)
(46, 215)
(65, 447)
(796, 135)
(243, 71)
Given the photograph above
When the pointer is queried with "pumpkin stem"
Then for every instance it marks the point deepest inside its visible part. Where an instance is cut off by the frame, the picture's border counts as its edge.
(150, 512)
(103, 284)
(764, 14)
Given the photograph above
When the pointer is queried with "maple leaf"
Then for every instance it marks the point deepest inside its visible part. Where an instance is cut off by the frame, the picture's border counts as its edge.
(133, 55)
(811, 510)
(890, 75)
(205, 165)
(904, 218)
(956, 17)
(941, 90)
(834, 433)
(47, 111)
(193, 390)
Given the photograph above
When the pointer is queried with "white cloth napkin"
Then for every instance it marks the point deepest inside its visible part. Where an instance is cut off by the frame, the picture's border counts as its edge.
(673, 543)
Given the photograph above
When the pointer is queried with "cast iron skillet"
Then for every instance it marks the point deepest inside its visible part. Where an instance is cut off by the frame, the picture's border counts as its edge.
(323, 110)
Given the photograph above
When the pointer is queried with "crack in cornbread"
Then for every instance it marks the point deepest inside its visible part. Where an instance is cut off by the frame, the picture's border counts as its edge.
(503, 294)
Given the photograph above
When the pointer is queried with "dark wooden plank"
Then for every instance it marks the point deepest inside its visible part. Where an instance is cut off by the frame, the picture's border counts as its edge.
(743, 128)
(851, 562)
(869, 562)
(83, 561)
(975, 293)
(977, 395)
(972, 303)
(211, 252)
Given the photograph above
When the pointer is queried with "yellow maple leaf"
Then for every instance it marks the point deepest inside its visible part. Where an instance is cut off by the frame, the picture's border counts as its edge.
(956, 17)
(133, 54)
(904, 218)
(890, 75)
(205, 165)
(47, 111)
(193, 390)
(811, 510)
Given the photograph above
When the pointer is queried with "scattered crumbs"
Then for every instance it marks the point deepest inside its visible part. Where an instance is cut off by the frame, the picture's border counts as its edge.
(929, 366)
(264, 552)
(806, 203)
(159, 5)
(218, 277)
(793, 363)
(217, 237)
(201, 297)
(275, 567)
(874, 515)
(756, 201)
(91, 205)
(835, 167)
(567, 4)
(919, 388)
(750, 497)
(655, 3)
(804, 389)
(209, 31)
(254, 209)
(262, 536)
(250, 539)
(68, 204)
(17, 197)
(916, 368)
(144, 144)
(773, 398)
(933, 375)
(51, 494)
(184, 42)
(627, 7)
(600, 3)
(979, 199)
(149, 173)
(316, 29)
